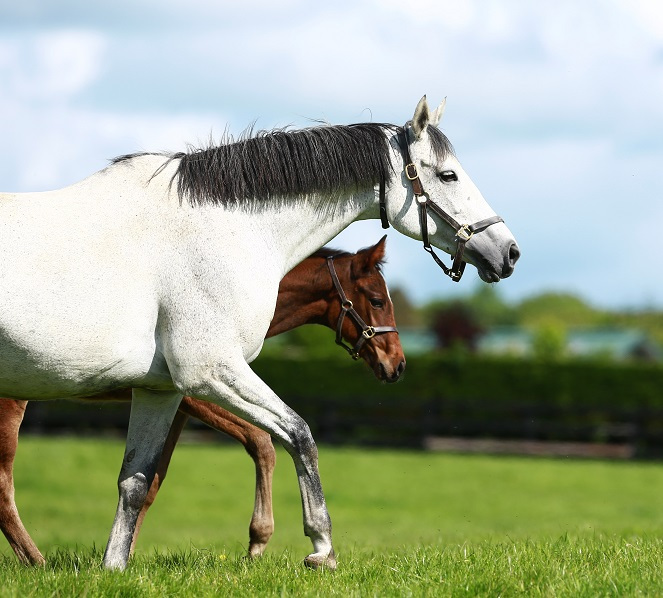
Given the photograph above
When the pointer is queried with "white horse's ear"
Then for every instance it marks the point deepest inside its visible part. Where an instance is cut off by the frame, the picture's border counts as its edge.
(436, 115)
(421, 117)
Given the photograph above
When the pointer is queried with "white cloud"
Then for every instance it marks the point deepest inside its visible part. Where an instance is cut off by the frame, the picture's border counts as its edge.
(60, 146)
(51, 66)
(648, 16)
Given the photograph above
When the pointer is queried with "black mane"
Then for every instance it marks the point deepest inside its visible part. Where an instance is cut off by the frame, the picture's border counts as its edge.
(278, 163)
(325, 252)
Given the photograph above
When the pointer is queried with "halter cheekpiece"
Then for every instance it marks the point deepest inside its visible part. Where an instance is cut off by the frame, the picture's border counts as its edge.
(367, 331)
(464, 232)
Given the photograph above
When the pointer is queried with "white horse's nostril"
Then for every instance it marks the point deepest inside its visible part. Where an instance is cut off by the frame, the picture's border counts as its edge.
(514, 254)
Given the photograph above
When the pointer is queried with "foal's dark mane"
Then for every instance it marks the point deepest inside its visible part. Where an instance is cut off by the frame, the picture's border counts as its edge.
(325, 252)
(278, 163)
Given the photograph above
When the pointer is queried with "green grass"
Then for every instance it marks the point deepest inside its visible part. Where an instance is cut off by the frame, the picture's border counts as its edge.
(405, 523)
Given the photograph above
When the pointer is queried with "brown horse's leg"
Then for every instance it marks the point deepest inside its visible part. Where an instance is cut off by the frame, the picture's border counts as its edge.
(259, 446)
(11, 416)
(162, 468)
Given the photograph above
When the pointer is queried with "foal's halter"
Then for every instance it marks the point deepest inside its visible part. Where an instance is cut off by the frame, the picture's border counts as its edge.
(367, 332)
(464, 232)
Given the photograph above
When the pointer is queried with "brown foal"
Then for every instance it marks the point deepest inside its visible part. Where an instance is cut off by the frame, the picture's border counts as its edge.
(307, 295)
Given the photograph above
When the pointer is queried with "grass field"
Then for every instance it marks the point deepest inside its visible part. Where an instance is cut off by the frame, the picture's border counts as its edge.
(405, 523)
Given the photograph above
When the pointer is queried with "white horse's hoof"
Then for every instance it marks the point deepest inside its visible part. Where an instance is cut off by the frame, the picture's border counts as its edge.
(321, 561)
(114, 564)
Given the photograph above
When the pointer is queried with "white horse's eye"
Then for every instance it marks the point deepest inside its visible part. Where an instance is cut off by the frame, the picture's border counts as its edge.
(448, 175)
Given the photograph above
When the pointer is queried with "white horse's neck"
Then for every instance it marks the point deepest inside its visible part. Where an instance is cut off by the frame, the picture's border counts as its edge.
(283, 231)
(300, 227)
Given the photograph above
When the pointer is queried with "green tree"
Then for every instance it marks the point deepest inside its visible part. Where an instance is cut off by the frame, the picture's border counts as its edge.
(549, 342)
(489, 308)
(484, 305)
(405, 312)
(563, 309)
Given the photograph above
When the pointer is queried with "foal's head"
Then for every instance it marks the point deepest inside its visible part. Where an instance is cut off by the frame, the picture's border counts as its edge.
(361, 278)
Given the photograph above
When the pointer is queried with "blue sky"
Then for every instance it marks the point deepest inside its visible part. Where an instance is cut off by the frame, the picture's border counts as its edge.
(555, 110)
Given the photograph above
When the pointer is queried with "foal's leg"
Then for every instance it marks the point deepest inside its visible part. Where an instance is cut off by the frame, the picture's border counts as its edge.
(162, 469)
(11, 416)
(151, 417)
(237, 387)
(258, 444)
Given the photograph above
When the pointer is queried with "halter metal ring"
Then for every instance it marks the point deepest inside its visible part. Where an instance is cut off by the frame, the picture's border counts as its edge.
(368, 332)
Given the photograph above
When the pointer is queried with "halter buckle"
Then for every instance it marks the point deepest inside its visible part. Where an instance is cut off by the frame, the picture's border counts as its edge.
(368, 332)
(464, 233)
(411, 167)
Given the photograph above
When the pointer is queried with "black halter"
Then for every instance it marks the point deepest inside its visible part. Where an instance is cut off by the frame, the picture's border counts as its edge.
(367, 332)
(464, 232)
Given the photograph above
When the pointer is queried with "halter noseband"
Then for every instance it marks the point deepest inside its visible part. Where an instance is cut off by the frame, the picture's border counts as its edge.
(464, 232)
(367, 332)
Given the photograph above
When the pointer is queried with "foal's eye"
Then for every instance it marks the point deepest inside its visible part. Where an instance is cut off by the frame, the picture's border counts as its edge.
(448, 176)
(377, 303)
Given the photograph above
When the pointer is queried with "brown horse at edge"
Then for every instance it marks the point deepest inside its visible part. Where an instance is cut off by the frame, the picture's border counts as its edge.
(307, 295)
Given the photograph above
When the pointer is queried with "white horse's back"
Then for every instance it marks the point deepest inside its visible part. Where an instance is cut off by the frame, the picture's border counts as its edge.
(78, 265)
(104, 265)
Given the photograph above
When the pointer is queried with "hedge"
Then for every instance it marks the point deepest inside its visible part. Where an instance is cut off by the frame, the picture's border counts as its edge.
(464, 396)
(475, 397)
(563, 384)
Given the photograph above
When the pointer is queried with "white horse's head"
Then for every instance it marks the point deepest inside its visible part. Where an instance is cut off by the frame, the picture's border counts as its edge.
(491, 248)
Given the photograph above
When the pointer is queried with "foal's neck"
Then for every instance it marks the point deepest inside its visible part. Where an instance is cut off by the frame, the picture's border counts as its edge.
(303, 297)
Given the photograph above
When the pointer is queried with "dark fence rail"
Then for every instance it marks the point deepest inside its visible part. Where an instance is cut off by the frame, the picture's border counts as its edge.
(369, 423)
(440, 398)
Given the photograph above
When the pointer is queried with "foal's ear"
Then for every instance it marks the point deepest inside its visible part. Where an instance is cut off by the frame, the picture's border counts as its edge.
(370, 257)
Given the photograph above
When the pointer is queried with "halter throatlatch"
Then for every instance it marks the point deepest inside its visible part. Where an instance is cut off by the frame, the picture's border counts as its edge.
(367, 332)
(464, 232)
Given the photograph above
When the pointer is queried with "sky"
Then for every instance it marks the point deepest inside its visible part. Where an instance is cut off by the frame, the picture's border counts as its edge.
(555, 109)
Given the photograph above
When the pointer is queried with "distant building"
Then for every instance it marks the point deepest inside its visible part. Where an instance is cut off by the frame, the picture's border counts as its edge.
(618, 343)
(506, 341)
(613, 343)
(416, 341)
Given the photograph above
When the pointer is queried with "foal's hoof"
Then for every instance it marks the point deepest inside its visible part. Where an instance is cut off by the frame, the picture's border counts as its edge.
(321, 561)
(255, 551)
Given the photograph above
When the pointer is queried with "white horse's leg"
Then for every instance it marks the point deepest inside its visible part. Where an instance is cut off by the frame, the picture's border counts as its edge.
(240, 390)
(152, 414)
